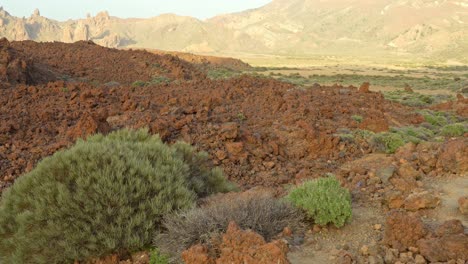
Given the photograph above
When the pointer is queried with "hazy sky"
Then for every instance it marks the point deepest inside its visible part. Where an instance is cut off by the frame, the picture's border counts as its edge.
(65, 9)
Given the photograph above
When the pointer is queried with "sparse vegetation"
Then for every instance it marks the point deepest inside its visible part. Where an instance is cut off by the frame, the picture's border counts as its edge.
(222, 73)
(158, 79)
(157, 258)
(431, 80)
(262, 214)
(103, 195)
(387, 142)
(415, 99)
(138, 84)
(439, 124)
(323, 200)
(357, 118)
(454, 130)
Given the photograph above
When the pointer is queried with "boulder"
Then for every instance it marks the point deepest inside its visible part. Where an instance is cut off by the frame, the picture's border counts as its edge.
(403, 230)
(421, 200)
(451, 247)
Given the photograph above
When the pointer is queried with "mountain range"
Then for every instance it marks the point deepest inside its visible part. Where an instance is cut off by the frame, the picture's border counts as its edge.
(390, 28)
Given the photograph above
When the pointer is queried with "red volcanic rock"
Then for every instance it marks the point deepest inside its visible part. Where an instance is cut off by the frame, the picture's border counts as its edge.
(88, 125)
(451, 247)
(403, 230)
(463, 205)
(364, 88)
(451, 227)
(421, 200)
(283, 130)
(239, 247)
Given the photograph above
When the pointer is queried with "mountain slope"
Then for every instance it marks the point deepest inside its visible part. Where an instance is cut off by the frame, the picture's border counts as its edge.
(436, 29)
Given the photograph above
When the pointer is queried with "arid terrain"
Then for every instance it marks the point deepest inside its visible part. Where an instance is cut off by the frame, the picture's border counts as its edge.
(401, 152)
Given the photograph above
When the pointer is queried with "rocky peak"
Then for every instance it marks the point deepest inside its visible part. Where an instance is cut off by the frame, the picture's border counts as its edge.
(36, 13)
(104, 15)
(3, 12)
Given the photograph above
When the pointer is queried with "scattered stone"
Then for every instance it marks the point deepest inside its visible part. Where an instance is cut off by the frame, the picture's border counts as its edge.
(414, 249)
(364, 250)
(419, 259)
(234, 148)
(463, 205)
(344, 257)
(364, 88)
(229, 130)
(377, 227)
(451, 227)
(385, 173)
(446, 248)
(422, 200)
(390, 255)
(394, 199)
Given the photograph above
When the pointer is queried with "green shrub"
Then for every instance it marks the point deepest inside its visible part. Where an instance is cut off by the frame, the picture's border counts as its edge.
(138, 84)
(436, 118)
(323, 200)
(387, 142)
(103, 195)
(263, 214)
(157, 258)
(454, 130)
(357, 118)
(159, 80)
(414, 134)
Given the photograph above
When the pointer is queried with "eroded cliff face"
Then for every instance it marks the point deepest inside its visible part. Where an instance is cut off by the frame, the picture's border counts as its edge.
(300, 27)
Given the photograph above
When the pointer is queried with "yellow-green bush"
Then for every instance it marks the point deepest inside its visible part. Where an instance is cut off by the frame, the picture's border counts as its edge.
(323, 200)
(103, 195)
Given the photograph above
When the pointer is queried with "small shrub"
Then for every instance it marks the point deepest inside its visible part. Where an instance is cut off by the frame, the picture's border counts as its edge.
(345, 137)
(159, 80)
(414, 134)
(363, 134)
(454, 130)
(157, 258)
(262, 214)
(241, 117)
(138, 84)
(357, 118)
(104, 195)
(435, 118)
(387, 142)
(323, 200)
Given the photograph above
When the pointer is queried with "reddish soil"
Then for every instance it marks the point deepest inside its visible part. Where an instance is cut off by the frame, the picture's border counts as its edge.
(86, 61)
(261, 131)
(214, 61)
(460, 106)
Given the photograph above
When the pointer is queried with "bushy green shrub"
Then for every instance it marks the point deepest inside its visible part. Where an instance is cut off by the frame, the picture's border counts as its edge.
(323, 200)
(387, 142)
(106, 194)
(263, 214)
(437, 118)
(414, 134)
(454, 130)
